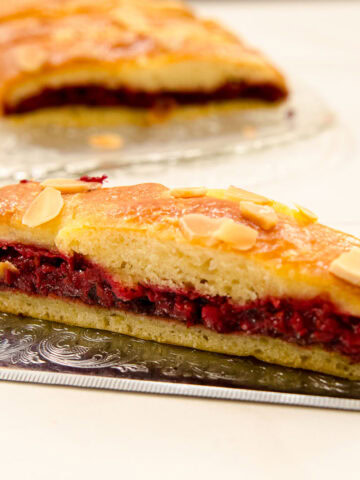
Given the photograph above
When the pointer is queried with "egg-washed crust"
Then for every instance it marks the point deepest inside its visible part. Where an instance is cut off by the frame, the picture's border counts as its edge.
(133, 232)
(142, 45)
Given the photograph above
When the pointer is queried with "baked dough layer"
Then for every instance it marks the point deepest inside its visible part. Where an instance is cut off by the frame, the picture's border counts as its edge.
(176, 333)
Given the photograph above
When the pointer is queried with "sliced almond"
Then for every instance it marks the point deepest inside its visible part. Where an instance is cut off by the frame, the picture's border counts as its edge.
(68, 185)
(308, 214)
(188, 192)
(262, 215)
(7, 267)
(237, 235)
(238, 195)
(248, 131)
(106, 141)
(64, 35)
(347, 266)
(45, 207)
(196, 226)
(30, 57)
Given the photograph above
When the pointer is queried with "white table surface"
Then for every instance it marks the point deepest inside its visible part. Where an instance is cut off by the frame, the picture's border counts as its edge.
(64, 433)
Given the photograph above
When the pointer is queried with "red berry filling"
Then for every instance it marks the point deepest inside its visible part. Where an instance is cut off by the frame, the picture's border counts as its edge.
(96, 95)
(307, 322)
(86, 178)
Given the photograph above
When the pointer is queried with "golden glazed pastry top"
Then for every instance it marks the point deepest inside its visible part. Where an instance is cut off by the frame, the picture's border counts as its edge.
(296, 249)
(149, 45)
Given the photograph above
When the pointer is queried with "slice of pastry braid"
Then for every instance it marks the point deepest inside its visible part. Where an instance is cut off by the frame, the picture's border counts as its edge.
(221, 270)
(132, 53)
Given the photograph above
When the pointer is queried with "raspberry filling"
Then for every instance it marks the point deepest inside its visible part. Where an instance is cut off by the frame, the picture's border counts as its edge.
(96, 96)
(309, 322)
(86, 178)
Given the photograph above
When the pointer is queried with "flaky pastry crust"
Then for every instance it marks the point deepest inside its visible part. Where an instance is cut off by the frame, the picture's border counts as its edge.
(141, 45)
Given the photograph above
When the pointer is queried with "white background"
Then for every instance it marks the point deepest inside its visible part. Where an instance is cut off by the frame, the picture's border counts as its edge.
(64, 433)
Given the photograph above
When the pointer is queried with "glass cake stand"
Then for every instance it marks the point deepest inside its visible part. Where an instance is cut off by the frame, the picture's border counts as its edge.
(39, 148)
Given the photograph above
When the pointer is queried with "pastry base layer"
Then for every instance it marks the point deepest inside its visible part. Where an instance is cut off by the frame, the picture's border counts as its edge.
(81, 116)
(173, 332)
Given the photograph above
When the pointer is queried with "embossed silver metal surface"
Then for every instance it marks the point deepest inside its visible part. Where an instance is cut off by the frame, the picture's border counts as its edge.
(48, 353)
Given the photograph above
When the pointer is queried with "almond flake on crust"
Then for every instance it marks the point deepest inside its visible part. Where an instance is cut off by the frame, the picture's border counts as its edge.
(45, 207)
(308, 214)
(30, 58)
(195, 226)
(238, 194)
(68, 185)
(262, 215)
(106, 141)
(190, 192)
(239, 236)
(347, 266)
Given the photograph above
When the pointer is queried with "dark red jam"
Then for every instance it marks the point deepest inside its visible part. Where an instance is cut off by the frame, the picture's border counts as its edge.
(316, 321)
(95, 95)
(86, 178)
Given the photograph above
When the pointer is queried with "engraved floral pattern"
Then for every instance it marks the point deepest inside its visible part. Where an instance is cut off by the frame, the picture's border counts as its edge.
(44, 346)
